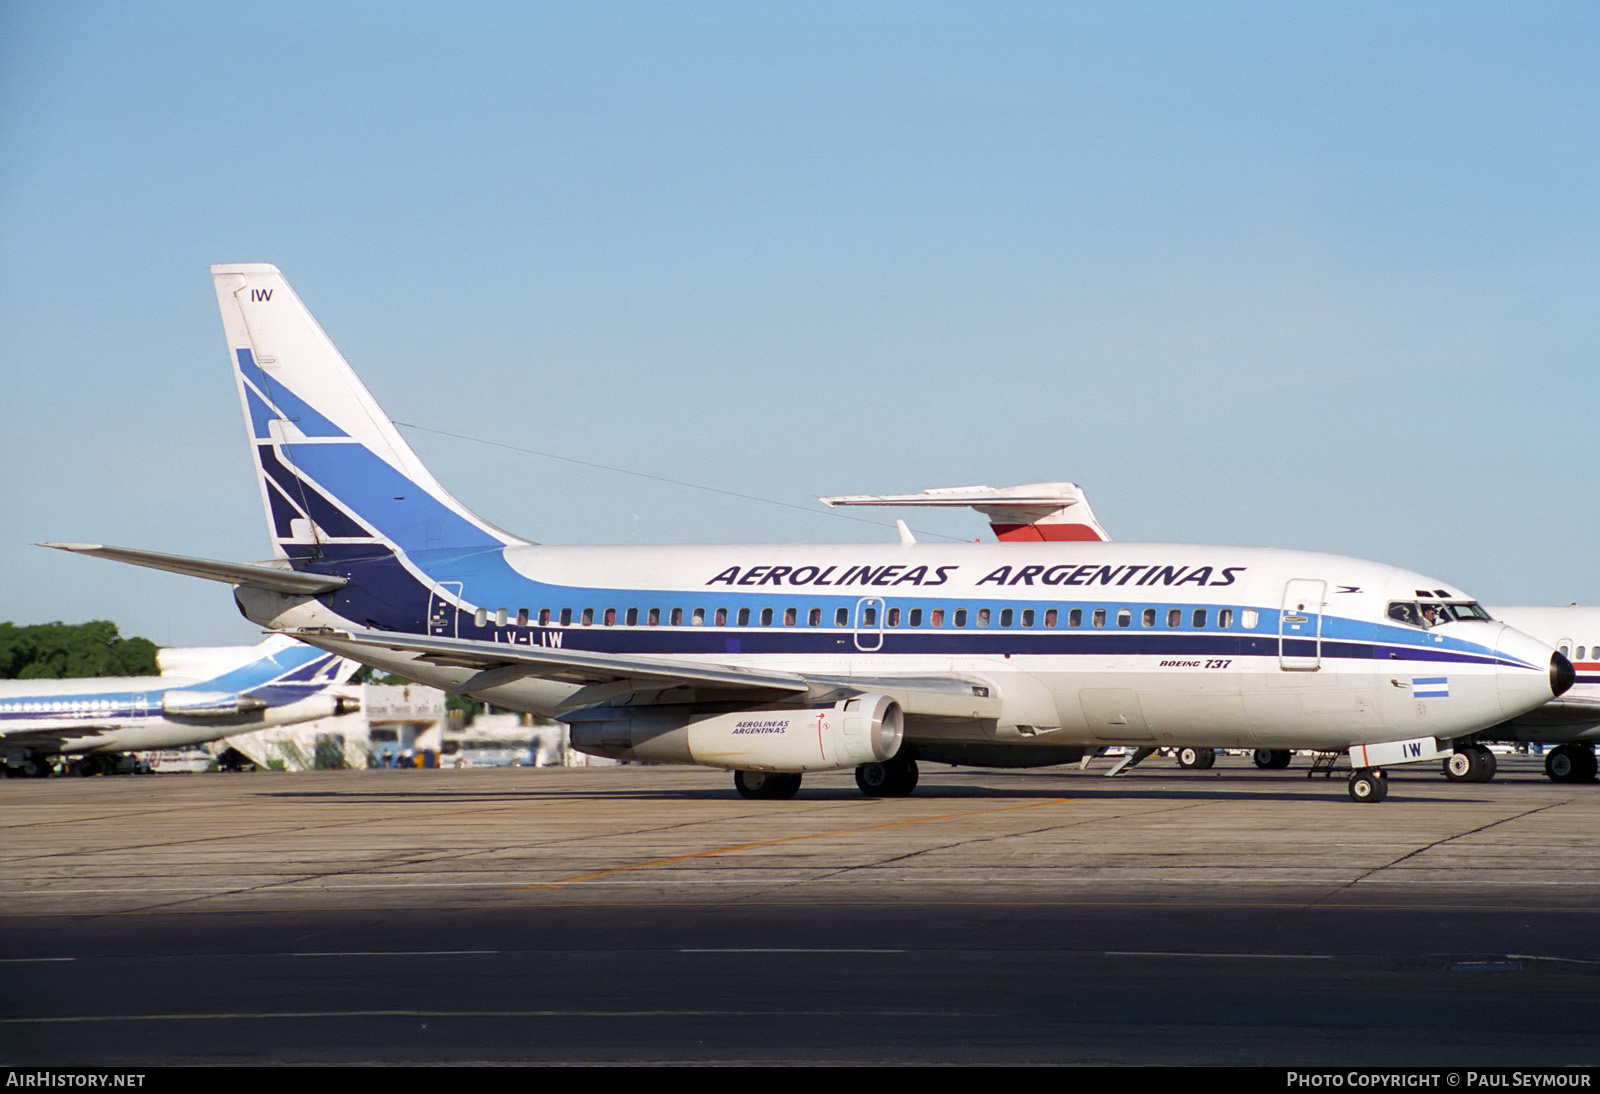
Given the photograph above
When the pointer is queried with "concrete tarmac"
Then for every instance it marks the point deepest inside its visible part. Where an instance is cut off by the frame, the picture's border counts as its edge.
(650, 915)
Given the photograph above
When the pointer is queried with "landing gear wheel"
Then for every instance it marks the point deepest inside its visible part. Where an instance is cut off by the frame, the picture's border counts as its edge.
(765, 785)
(1470, 764)
(1570, 764)
(1196, 759)
(890, 779)
(1273, 759)
(1368, 784)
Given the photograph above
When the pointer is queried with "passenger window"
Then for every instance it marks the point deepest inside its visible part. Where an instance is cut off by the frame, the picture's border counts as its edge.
(766, 617)
(522, 617)
(611, 617)
(841, 617)
(1562, 650)
(1225, 618)
(588, 617)
(1149, 617)
(1175, 617)
(544, 617)
(1099, 617)
(744, 617)
(789, 617)
(1249, 618)
(916, 617)
(1124, 617)
(566, 617)
(481, 616)
(1050, 617)
(1005, 617)
(869, 617)
(814, 617)
(1199, 618)
(894, 617)
(500, 617)
(722, 617)
(936, 617)
(1027, 617)
(983, 617)
(676, 617)
(632, 618)
(1075, 617)
(654, 618)
(698, 619)
(961, 617)
(1580, 653)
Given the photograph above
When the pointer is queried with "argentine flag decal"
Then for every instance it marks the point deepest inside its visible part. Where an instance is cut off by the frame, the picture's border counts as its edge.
(1430, 687)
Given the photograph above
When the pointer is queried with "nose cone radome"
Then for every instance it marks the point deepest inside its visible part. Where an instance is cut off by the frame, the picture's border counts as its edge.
(1530, 673)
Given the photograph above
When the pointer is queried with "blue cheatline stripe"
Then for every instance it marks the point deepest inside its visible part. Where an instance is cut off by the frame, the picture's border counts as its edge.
(289, 405)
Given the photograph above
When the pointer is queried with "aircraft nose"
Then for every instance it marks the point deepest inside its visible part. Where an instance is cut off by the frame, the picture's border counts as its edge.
(1562, 674)
(1522, 690)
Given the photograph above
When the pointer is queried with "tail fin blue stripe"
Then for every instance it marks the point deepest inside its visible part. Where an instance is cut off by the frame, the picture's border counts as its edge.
(407, 515)
(289, 405)
(260, 414)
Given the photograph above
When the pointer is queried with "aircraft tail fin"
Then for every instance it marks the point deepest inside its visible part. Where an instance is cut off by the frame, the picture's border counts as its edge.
(333, 470)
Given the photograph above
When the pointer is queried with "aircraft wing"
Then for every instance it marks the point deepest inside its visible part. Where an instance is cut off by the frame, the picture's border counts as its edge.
(1568, 710)
(251, 575)
(604, 676)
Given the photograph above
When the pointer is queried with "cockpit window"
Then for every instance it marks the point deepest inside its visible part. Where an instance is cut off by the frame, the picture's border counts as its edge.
(1431, 613)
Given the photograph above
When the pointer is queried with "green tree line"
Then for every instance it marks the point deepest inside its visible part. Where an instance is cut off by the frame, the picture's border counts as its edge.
(45, 651)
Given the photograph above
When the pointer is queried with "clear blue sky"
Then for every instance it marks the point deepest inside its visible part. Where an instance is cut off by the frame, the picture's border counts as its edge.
(1301, 275)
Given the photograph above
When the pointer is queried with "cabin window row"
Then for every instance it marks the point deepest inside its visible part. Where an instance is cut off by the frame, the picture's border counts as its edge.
(1050, 618)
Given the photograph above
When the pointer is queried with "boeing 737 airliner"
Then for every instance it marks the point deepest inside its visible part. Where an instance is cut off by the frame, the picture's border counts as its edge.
(771, 661)
(202, 694)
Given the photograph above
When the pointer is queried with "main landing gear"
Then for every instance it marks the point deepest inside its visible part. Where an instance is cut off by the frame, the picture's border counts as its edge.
(890, 779)
(1273, 759)
(1470, 764)
(1368, 784)
(1570, 764)
(765, 785)
(1196, 759)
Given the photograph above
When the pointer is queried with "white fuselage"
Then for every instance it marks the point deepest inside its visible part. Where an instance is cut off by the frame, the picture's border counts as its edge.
(1085, 643)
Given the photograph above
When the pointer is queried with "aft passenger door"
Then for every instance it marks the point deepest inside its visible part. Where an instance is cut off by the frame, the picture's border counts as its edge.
(1300, 625)
(442, 613)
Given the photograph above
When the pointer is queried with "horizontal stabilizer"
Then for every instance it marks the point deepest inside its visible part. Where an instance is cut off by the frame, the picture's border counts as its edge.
(266, 576)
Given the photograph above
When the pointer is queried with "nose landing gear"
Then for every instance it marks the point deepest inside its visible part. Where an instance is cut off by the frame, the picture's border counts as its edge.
(1368, 784)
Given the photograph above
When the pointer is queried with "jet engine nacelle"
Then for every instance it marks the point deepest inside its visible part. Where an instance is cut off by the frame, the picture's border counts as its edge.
(861, 730)
(208, 704)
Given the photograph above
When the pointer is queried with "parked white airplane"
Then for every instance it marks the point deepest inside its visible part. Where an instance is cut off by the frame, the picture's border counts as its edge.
(771, 661)
(202, 694)
(1572, 721)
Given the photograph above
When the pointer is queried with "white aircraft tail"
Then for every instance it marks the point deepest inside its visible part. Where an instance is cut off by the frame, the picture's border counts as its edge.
(334, 471)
